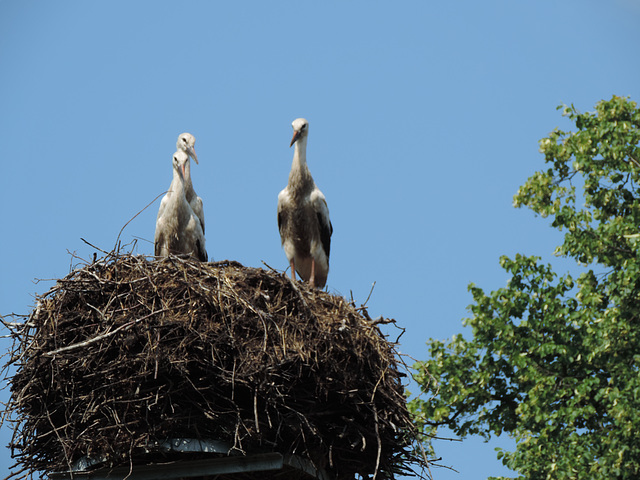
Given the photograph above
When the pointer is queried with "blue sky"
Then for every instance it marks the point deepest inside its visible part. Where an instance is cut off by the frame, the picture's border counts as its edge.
(424, 120)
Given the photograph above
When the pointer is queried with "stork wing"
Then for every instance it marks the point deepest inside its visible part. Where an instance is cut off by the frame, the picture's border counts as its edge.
(283, 200)
(201, 252)
(163, 204)
(159, 239)
(198, 209)
(319, 204)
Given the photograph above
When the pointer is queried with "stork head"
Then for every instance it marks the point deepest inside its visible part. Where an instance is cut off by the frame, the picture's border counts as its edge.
(300, 129)
(180, 160)
(186, 142)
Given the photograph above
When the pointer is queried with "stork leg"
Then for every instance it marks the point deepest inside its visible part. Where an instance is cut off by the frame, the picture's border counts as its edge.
(293, 270)
(312, 280)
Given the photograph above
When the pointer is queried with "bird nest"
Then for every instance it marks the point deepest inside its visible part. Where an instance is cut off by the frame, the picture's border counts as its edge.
(128, 353)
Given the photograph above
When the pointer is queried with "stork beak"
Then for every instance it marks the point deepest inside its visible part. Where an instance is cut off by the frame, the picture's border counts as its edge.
(192, 153)
(296, 136)
(183, 170)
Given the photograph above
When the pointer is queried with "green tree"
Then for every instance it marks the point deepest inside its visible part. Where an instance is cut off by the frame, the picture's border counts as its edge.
(553, 361)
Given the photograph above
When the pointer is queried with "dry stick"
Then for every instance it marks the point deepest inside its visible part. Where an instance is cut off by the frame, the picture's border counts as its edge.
(383, 321)
(426, 462)
(103, 336)
(25, 333)
(91, 245)
(64, 446)
(13, 327)
(295, 287)
(130, 461)
(233, 382)
(14, 474)
(250, 307)
(74, 255)
(379, 454)
(98, 311)
(255, 408)
(375, 416)
(269, 267)
(132, 218)
(369, 296)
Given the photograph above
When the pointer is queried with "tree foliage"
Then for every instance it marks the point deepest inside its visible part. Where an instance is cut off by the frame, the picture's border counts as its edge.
(555, 361)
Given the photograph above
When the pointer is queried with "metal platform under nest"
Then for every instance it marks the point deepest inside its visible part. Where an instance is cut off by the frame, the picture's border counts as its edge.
(238, 467)
(263, 466)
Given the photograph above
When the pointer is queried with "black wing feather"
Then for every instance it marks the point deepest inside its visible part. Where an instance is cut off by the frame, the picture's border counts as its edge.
(325, 234)
(159, 242)
(202, 253)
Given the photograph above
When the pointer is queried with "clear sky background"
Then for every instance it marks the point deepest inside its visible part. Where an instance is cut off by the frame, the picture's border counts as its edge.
(424, 120)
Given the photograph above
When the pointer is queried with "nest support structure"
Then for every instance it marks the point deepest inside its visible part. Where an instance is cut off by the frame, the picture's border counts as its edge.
(127, 353)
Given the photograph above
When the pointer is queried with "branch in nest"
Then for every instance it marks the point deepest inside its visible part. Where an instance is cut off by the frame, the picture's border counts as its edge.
(382, 320)
(86, 343)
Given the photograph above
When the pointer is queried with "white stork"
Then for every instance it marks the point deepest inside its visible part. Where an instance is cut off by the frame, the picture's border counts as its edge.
(303, 216)
(178, 229)
(186, 143)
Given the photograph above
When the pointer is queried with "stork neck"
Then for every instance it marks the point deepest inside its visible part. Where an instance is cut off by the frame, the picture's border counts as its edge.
(300, 152)
(178, 184)
(187, 175)
(300, 179)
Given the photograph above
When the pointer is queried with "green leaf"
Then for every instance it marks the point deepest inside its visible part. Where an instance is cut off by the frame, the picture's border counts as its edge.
(553, 361)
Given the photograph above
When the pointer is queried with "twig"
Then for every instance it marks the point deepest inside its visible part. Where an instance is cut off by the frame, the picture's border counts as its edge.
(14, 474)
(426, 462)
(64, 447)
(269, 267)
(92, 245)
(132, 218)
(255, 409)
(295, 287)
(384, 321)
(369, 296)
(103, 336)
(379, 454)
